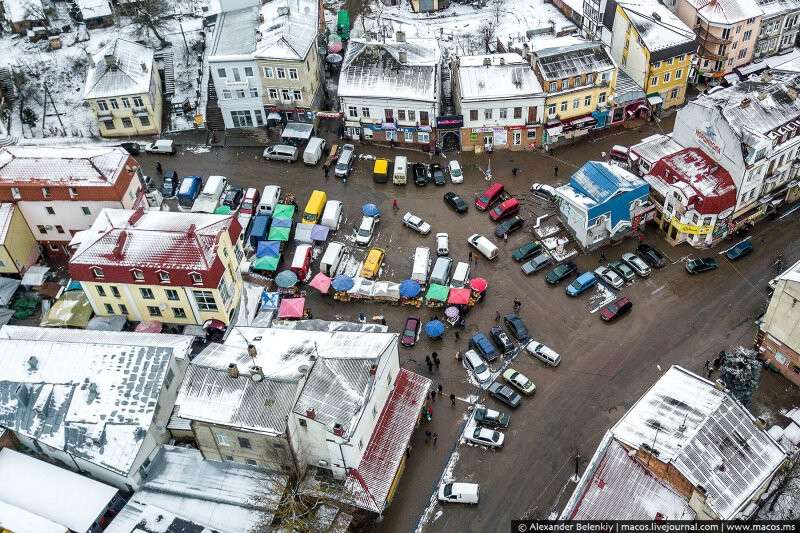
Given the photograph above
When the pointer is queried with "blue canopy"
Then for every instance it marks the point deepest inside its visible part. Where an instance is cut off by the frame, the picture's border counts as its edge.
(434, 328)
(281, 222)
(270, 300)
(286, 279)
(370, 210)
(342, 283)
(409, 288)
(268, 249)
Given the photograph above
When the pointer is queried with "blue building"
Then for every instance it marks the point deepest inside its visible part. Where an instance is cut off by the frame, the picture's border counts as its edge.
(602, 202)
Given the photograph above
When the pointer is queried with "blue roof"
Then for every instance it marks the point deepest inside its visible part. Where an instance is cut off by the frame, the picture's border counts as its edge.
(601, 181)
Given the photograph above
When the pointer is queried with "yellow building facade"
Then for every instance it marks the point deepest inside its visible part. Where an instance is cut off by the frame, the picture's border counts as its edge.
(18, 246)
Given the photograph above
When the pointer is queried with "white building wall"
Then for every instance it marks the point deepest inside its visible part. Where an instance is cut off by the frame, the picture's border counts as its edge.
(577, 219)
(635, 65)
(376, 109)
(68, 214)
(249, 107)
(496, 106)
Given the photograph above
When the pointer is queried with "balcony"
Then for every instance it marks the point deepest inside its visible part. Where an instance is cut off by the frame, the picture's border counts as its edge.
(706, 53)
(706, 37)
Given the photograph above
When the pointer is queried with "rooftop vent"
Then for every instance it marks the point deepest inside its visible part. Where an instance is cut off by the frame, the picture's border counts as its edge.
(656, 16)
(311, 413)
(502, 60)
(338, 430)
(33, 363)
(373, 369)
(256, 374)
(135, 216)
(303, 369)
(400, 36)
(402, 57)
(233, 370)
(110, 61)
(487, 61)
(252, 351)
(745, 103)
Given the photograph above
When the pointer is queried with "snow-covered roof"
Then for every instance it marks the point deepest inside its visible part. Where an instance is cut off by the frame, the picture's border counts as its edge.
(234, 34)
(620, 488)
(60, 165)
(51, 492)
(222, 496)
(289, 29)
(706, 434)
(94, 8)
(375, 68)
(653, 148)
(505, 76)
(14, 518)
(6, 213)
(772, 8)
(659, 28)
(89, 394)
(21, 10)
(120, 68)
(708, 187)
(572, 58)
(726, 11)
(600, 181)
(153, 239)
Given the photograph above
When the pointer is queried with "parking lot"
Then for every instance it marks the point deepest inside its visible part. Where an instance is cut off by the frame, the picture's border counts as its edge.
(676, 319)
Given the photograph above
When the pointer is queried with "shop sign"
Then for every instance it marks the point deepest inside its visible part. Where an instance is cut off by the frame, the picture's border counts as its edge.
(691, 229)
(450, 121)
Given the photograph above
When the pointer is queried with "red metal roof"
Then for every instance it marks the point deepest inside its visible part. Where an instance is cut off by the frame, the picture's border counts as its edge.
(371, 481)
(709, 187)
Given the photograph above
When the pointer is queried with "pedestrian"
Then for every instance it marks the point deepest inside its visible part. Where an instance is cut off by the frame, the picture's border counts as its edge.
(327, 170)
(383, 321)
(429, 413)
(517, 304)
(436, 362)
(408, 451)
(602, 257)
(430, 365)
(395, 207)
(470, 257)
(497, 316)
(433, 395)
(427, 437)
(452, 399)
(362, 319)
(435, 437)
(505, 238)
(458, 356)
(435, 356)
(457, 334)
(514, 171)
(555, 171)
(440, 388)
(159, 168)
(428, 360)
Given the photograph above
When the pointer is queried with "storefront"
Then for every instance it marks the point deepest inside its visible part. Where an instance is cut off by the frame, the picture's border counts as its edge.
(553, 131)
(276, 115)
(448, 128)
(391, 133)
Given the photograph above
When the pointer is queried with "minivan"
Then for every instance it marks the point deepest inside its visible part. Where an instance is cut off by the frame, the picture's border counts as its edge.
(332, 216)
(269, 199)
(281, 152)
(581, 284)
(441, 270)
(483, 245)
(313, 152)
(489, 196)
(543, 353)
(345, 161)
(331, 258)
(400, 176)
(478, 367)
(460, 275)
(422, 263)
(249, 202)
(301, 260)
(459, 493)
(188, 191)
(314, 207)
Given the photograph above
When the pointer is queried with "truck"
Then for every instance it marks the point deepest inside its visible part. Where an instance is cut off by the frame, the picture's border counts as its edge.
(259, 230)
(208, 200)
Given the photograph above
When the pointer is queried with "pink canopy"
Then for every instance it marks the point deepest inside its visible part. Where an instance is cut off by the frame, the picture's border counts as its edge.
(321, 282)
(459, 296)
(292, 308)
(478, 284)
(148, 326)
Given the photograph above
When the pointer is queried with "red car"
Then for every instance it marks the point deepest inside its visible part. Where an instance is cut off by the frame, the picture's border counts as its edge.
(506, 209)
(489, 196)
(410, 332)
(617, 308)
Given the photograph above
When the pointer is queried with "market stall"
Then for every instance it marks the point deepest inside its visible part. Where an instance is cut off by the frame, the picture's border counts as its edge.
(436, 295)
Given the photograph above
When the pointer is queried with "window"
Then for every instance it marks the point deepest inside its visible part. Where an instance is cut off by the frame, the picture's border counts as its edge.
(244, 443)
(86, 210)
(669, 61)
(153, 310)
(60, 229)
(292, 73)
(473, 114)
(423, 118)
(280, 72)
(172, 295)
(391, 135)
(114, 103)
(109, 309)
(286, 95)
(303, 422)
(108, 124)
(222, 440)
(253, 92)
(179, 312)
(531, 134)
(205, 300)
(742, 53)
(268, 72)
(657, 64)
(145, 121)
(248, 71)
(126, 122)
(553, 86)
(487, 114)
(517, 112)
(196, 278)
(674, 93)
(46, 192)
(412, 115)
(224, 290)
(259, 117)
(137, 274)
(50, 210)
(747, 35)
(242, 119)
(102, 105)
(168, 377)
(408, 136)
(601, 98)
(163, 276)
(654, 80)
(146, 293)
(100, 290)
(577, 81)
(679, 58)
(564, 106)
(240, 93)
(41, 229)
(503, 112)
(251, 462)
(666, 77)
(236, 75)
(576, 103)
(365, 112)
(423, 137)
(751, 20)
(588, 100)
(123, 309)
(564, 84)
(114, 291)
(401, 114)
(226, 94)
(298, 94)
(679, 74)
(221, 73)
(97, 272)
(726, 33)
(73, 192)
(273, 94)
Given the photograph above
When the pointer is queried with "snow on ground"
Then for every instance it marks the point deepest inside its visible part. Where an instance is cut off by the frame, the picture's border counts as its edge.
(601, 296)
(547, 231)
(428, 513)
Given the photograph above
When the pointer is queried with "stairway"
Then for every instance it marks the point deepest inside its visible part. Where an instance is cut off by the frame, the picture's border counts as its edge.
(7, 85)
(447, 91)
(214, 119)
(165, 58)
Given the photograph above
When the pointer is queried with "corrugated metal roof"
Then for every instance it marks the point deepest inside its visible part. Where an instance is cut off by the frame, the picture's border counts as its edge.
(653, 148)
(6, 213)
(289, 29)
(600, 181)
(573, 60)
(75, 165)
(128, 73)
(235, 33)
(658, 27)
(726, 11)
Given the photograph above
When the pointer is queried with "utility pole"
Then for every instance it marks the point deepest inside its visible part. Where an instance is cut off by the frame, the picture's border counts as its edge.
(185, 44)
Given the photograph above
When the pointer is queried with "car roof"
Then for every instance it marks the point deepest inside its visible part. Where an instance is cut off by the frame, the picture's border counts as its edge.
(493, 188)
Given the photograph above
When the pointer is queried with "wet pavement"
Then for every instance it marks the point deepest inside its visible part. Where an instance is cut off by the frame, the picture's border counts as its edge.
(676, 319)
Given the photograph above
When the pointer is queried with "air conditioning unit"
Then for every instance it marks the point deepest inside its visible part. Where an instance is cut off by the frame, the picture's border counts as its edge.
(323, 464)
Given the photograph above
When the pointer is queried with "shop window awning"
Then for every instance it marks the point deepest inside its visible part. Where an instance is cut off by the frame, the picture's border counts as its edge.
(655, 100)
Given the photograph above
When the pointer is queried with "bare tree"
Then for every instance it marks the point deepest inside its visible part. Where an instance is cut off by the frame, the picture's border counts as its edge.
(150, 16)
(787, 492)
(497, 8)
(486, 35)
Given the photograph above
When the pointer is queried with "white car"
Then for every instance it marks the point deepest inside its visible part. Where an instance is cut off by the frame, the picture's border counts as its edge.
(609, 276)
(637, 264)
(475, 363)
(365, 230)
(459, 492)
(484, 436)
(544, 353)
(544, 190)
(412, 221)
(456, 175)
(161, 146)
(483, 245)
(442, 244)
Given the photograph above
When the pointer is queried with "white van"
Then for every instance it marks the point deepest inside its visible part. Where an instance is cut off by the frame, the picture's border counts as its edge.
(483, 245)
(313, 151)
(400, 175)
(332, 215)
(442, 244)
(161, 146)
(460, 275)
(459, 493)
(269, 199)
(331, 258)
(422, 263)
(208, 200)
(441, 271)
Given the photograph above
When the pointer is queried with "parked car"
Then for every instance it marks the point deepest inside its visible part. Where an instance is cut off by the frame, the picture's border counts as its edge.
(581, 284)
(481, 344)
(169, 184)
(624, 271)
(615, 309)
(373, 262)
(459, 493)
(548, 192)
(132, 148)
(508, 227)
(609, 276)
(281, 152)
(703, 264)
(486, 247)
(739, 251)
(536, 264)
(505, 394)
(516, 326)
(652, 256)
(501, 339)
(519, 381)
(456, 175)
(478, 367)
(442, 244)
(160, 146)
(504, 209)
(561, 272)
(456, 202)
(365, 230)
(421, 175)
(410, 332)
(526, 251)
(412, 221)
(489, 196)
(232, 197)
(490, 417)
(484, 436)
(637, 264)
(345, 161)
(543, 353)
(438, 175)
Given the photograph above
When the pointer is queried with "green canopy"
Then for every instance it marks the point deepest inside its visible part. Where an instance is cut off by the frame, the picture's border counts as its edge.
(283, 211)
(71, 310)
(437, 293)
(278, 234)
(222, 210)
(266, 263)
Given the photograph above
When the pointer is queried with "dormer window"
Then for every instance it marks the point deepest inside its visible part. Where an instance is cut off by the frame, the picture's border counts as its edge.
(73, 192)
(138, 275)
(197, 279)
(15, 193)
(46, 192)
(97, 272)
(163, 276)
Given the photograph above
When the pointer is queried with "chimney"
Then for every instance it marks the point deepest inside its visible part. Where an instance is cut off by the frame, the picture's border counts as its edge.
(233, 370)
(402, 57)
(135, 216)
(144, 66)
(190, 230)
(791, 92)
(373, 369)
(656, 16)
(487, 61)
(33, 363)
(502, 60)
(311, 413)
(251, 351)
(719, 385)
(400, 36)
(338, 430)
(256, 374)
(110, 62)
(744, 103)
(760, 423)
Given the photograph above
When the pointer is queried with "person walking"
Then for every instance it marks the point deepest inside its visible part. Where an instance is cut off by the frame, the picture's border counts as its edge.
(433, 395)
(435, 356)
(436, 362)
(429, 363)
(555, 171)
(427, 437)
(435, 437)
(458, 356)
(517, 305)
(505, 238)
(457, 334)
(326, 170)
(159, 168)
(514, 171)
(395, 207)
(470, 258)
(452, 399)
(497, 316)
(440, 388)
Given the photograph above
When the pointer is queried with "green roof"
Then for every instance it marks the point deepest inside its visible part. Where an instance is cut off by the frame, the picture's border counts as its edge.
(437, 293)
(283, 211)
(266, 263)
(278, 234)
